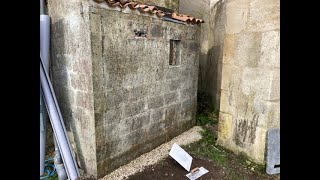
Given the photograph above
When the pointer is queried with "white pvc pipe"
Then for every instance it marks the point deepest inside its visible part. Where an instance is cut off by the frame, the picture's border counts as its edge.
(45, 39)
(44, 49)
(58, 163)
(42, 136)
(57, 124)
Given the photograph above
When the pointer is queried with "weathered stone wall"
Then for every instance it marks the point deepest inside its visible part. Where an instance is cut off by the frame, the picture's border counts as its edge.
(71, 66)
(213, 67)
(139, 100)
(117, 93)
(200, 10)
(240, 67)
(250, 98)
(211, 46)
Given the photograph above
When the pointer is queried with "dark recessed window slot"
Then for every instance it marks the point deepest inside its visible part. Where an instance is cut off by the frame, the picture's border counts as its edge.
(174, 59)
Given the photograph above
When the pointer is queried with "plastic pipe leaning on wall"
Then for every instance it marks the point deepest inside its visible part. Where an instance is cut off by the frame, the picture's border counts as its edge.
(44, 49)
(57, 123)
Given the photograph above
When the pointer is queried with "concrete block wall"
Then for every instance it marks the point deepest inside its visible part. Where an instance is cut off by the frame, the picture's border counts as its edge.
(118, 95)
(140, 101)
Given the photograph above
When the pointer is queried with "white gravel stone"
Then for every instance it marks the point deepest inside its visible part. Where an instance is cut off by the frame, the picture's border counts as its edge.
(154, 156)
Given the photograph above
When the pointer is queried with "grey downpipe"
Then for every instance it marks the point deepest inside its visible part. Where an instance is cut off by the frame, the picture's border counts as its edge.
(45, 37)
(44, 49)
(42, 6)
(57, 124)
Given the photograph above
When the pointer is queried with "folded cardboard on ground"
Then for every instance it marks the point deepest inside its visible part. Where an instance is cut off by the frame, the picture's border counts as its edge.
(181, 156)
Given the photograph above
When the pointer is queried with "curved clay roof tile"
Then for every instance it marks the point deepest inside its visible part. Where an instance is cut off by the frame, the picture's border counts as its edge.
(150, 9)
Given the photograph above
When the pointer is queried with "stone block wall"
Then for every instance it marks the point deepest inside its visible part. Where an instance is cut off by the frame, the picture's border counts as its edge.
(213, 67)
(240, 68)
(211, 46)
(199, 9)
(250, 86)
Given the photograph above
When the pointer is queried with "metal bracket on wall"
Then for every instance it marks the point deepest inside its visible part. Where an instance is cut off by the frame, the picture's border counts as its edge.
(140, 32)
(273, 151)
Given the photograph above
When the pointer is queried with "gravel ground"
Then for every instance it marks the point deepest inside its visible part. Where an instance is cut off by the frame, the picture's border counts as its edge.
(154, 156)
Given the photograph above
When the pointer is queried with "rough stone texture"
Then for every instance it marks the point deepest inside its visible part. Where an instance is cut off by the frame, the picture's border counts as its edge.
(211, 44)
(71, 76)
(117, 93)
(240, 68)
(264, 15)
(194, 8)
(133, 79)
(250, 84)
(216, 34)
(237, 12)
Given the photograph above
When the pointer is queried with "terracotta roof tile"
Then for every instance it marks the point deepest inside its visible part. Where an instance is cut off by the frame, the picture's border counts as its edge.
(152, 10)
(186, 18)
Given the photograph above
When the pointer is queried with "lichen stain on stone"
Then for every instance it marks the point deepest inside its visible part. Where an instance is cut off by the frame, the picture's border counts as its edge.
(245, 131)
